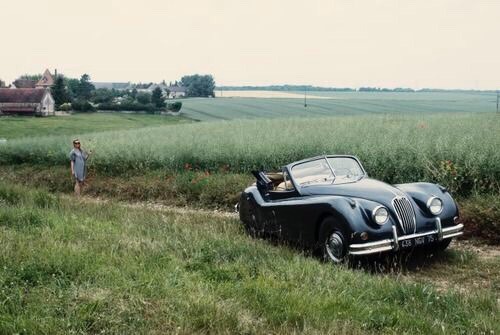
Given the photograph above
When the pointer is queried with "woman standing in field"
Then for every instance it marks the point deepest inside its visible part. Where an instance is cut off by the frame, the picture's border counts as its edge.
(78, 158)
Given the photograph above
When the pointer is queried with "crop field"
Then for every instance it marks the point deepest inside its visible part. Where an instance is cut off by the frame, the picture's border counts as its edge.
(459, 151)
(338, 103)
(77, 267)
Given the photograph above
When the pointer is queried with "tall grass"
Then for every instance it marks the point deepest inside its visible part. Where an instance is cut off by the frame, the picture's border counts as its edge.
(68, 267)
(459, 151)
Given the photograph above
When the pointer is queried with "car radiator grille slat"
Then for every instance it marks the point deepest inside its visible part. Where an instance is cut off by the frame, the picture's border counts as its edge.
(405, 214)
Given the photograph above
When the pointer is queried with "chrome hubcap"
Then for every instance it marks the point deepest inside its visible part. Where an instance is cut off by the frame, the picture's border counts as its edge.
(335, 247)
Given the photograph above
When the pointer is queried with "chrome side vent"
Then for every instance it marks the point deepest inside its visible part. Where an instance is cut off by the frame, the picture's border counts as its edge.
(405, 214)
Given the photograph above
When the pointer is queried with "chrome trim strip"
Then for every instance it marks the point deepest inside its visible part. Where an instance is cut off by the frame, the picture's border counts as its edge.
(371, 251)
(395, 239)
(371, 244)
(458, 227)
(439, 229)
(331, 169)
(406, 237)
(454, 234)
(393, 244)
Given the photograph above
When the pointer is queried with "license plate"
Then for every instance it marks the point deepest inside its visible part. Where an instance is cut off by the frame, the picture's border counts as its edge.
(417, 241)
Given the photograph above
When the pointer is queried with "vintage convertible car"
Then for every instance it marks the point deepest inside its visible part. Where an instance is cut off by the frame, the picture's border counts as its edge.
(329, 203)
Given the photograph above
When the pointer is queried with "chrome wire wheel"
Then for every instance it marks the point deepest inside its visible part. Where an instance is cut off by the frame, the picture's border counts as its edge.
(334, 246)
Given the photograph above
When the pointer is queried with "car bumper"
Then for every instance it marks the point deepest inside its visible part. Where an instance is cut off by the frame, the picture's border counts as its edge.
(394, 243)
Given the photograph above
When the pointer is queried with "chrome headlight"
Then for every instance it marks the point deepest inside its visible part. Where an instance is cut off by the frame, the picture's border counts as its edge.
(435, 205)
(380, 215)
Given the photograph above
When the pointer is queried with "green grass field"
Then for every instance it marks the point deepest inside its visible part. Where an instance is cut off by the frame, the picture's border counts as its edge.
(340, 103)
(24, 127)
(76, 267)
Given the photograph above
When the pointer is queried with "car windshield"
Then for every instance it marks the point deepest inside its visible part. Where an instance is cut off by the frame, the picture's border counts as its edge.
(317, 172)
(346, 169)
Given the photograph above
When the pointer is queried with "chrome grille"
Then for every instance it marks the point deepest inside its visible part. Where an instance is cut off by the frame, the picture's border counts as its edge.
(405, 214)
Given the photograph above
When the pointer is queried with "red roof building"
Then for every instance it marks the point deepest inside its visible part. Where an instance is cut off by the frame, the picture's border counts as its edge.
(46, 81)
(26, 101)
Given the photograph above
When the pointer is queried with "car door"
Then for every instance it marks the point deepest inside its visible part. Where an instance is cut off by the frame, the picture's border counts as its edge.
(280, 209)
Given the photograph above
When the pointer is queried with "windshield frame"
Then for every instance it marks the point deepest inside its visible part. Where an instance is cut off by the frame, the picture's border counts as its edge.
(297, 184)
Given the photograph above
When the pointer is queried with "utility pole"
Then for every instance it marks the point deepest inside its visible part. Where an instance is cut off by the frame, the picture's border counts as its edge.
(498, 98)
(305, 96)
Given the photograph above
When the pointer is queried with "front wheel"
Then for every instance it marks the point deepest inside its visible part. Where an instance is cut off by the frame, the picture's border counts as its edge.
(333, 242)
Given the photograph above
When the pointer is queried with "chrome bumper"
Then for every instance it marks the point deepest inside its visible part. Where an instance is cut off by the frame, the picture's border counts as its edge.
(393, 243)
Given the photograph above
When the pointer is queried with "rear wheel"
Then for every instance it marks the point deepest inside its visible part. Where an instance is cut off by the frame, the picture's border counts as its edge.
(333, 241)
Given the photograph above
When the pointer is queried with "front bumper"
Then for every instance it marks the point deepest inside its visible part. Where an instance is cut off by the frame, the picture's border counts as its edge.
(393, 243)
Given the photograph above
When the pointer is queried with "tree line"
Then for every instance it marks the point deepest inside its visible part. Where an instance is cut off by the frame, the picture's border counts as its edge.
(81, 94)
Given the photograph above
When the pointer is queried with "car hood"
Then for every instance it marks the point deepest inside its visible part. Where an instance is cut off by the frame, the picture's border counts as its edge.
(365, 188)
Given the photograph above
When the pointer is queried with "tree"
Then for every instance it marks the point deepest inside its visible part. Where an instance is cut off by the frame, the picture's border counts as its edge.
(133, 93)
(199, 85)
(144, 98)
(59, 92)
(85, 88)
(72, 85)
(103, 95)
(157, 98)
(34, 77)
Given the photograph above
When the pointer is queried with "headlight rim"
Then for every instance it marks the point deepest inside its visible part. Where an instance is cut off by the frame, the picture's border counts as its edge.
(374, 212)
(429, 202)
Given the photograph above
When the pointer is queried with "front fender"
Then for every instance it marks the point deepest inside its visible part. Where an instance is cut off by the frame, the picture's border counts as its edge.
(356, 216)
(421, 192)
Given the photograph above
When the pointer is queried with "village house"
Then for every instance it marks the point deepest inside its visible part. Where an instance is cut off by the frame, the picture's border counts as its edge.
(26, 101)
(169, 91)
(46, 81)
(176, 92)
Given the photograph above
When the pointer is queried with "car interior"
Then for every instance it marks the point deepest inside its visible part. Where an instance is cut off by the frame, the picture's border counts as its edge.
(279, 183)
(274, 185)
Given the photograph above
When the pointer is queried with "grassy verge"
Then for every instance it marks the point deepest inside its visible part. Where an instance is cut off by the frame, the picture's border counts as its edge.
(79, 123)
(72, 267)
(480, 213)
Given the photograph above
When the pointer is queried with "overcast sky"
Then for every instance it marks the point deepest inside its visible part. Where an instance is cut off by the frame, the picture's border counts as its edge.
(438, 43)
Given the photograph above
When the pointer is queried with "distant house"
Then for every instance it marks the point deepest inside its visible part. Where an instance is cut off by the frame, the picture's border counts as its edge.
(46, 81)
(169, 91)
(176, 91)
(152, 87)
(113, 86)
(26, 101)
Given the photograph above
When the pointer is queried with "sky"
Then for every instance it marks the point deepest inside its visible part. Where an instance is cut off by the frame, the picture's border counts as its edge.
(341, 43)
